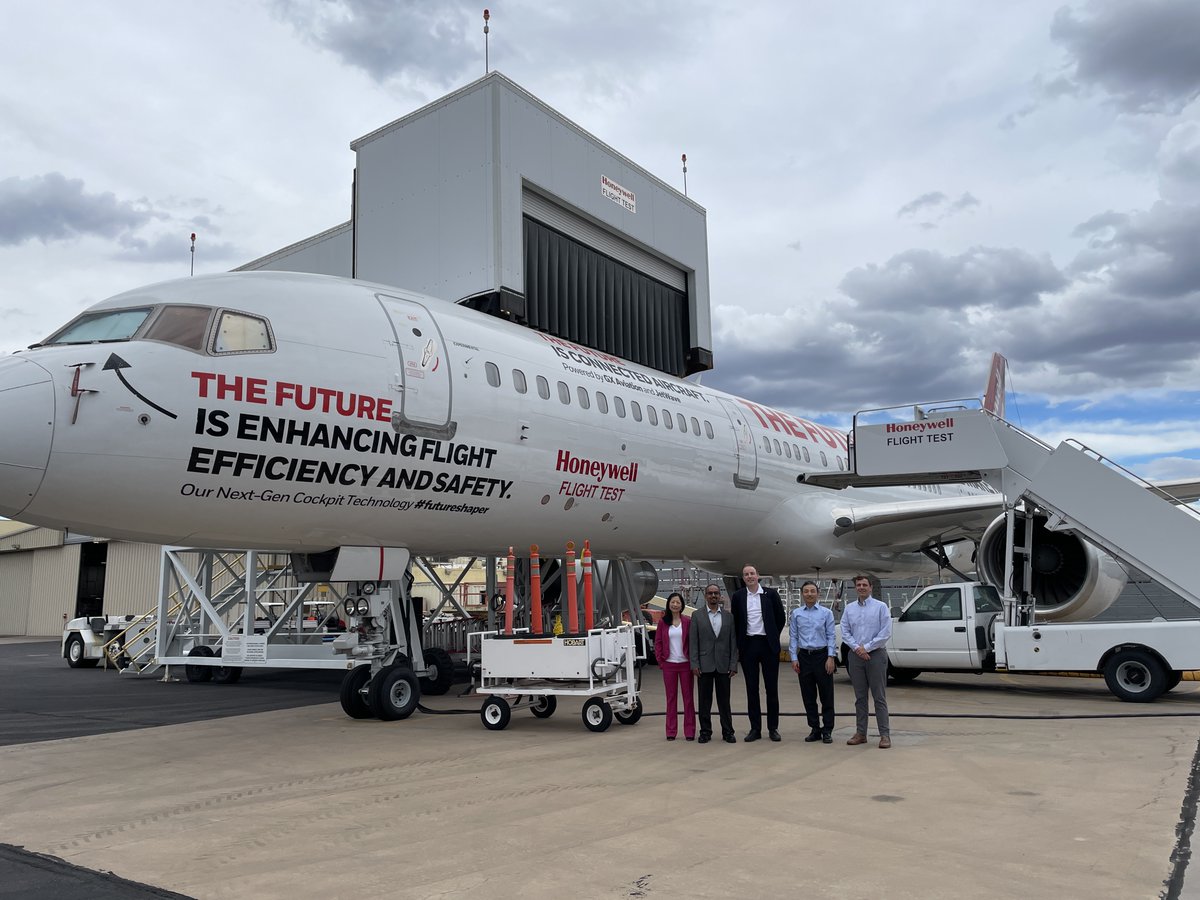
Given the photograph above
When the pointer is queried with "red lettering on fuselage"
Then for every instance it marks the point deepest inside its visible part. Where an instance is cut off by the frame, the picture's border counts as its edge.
(796, 427)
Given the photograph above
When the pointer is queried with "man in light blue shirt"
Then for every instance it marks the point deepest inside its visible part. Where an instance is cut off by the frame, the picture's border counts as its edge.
(814, 657)
(866, 627)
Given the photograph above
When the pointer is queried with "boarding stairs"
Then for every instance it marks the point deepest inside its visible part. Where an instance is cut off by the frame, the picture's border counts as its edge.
(1078, 489)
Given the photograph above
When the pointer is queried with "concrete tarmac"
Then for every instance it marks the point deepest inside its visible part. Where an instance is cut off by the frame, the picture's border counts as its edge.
(996, 786)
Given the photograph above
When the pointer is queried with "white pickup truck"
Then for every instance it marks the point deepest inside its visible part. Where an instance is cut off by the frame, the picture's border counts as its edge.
(960, 628)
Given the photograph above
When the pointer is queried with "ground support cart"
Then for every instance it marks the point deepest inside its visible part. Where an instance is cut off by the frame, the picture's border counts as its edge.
(533, 670)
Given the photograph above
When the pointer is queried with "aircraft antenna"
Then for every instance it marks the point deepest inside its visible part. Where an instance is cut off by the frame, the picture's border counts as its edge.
(192, 270)
(487, 67)
(684, 174)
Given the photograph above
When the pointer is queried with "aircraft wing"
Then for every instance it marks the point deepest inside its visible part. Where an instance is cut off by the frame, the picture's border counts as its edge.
(1183, 490)
(915, 524)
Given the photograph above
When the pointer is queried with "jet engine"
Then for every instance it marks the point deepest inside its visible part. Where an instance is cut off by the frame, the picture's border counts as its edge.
(1073, 581)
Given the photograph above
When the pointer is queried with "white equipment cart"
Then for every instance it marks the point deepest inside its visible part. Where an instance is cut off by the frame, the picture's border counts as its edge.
(523, 669)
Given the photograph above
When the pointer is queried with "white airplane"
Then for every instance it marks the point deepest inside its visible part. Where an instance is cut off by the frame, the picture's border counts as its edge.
(295, 412)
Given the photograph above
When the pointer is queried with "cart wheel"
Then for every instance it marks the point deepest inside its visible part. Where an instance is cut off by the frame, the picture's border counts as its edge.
(440, 671)
(199, 674)
(226, 674)
(544, 707)
(597, 715)
(353, 695)
(631, 716)
(394, 693)
(495, 713)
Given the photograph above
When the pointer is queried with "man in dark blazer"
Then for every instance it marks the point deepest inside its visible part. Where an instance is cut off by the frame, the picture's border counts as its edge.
(713, 653)
(758, 619)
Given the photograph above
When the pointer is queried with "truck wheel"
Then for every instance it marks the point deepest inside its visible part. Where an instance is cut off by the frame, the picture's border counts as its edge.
(1135, 676)
(902, 676)
(394, 693)
(543, 707)
(440, 675)
(353, 696)
(597, 715)
(1173, 679)
(199, 674)
(496, 713)
(631, 716)
(75, 657)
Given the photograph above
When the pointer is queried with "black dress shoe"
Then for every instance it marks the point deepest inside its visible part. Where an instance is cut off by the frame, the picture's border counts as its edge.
(689, 738)
(826, 737)
(812, 737)
(774, 735)
(704, 739)
(670, 737)
(730, 739)
(753, 735)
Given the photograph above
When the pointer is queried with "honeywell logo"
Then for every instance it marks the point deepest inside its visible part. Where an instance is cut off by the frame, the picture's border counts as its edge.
(918, 427)
(595, 468)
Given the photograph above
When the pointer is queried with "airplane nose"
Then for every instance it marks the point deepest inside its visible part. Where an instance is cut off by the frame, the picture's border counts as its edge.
(26, 428)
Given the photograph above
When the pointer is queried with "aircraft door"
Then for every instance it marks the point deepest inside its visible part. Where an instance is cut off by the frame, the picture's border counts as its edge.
(423, 380)
(746, 475)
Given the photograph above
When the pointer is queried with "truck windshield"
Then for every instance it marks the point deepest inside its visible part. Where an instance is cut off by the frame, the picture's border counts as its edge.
(987, 599)
(108, 325)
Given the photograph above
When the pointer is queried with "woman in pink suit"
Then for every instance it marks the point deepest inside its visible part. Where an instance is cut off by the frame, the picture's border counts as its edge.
(671, 651)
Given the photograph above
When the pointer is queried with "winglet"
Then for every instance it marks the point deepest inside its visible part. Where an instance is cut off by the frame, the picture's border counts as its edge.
(993, 396)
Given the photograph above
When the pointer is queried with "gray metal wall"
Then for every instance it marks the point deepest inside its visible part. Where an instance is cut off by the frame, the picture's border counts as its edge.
(16, 589)
(327, 253)
(55, 584)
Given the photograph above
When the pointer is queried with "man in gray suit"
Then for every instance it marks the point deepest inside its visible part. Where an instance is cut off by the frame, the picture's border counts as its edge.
(713, 652)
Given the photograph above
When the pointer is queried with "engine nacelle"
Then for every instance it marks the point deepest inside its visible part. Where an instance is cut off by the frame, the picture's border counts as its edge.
(1073, 581)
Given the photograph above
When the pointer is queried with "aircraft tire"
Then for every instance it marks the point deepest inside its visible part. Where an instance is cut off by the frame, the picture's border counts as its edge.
(354, 703)
(597, 715)
(75, 657)
(496, 713)
(631, 717)
(394, 693)
(199, 674)
(441, 672)
(1135, 676)
(543, 707)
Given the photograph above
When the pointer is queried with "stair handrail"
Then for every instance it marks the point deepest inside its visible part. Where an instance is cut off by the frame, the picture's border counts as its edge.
(1018, 429)
(1151, 486)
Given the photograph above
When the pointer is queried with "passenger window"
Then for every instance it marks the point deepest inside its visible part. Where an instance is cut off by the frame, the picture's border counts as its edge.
(787, 449)
(796, 449)
(636, 408)
(240, 333)
(939, 605)
(666, 416)
(682, 422)
(824, 461)
(652, 415)
(841, 466)
(184, 326)
(767, 443)
(619, 406)
(807, 458)
(987, 599)
(543, 387)
(778, 449)
(519, 381)
(584, 400)
(601, 402)
(493, 374)
(695, 426)
(564, 394)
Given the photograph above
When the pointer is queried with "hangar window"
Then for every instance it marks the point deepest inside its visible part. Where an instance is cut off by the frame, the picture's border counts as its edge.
(619, 406)
(184, 326)
(584, 400)
(651, 415)
(564, 394)
(493, 374)
(109, 325)
(519, 382)
(239, 333)
(601, 402)
(543, 387)
(695, 427)
(708, 429)
(637, 410)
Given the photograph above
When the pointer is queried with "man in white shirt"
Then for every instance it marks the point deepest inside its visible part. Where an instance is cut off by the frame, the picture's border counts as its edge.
(758, 617)
(866, 627)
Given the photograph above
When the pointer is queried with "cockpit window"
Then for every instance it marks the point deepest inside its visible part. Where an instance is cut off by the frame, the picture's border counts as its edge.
(185, 326)
(240, 333)
(106, 325)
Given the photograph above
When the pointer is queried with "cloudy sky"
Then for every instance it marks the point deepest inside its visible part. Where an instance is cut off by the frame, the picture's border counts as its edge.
(894, 190)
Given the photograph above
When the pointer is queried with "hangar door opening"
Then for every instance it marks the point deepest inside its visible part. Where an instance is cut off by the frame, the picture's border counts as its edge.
(590, 287)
